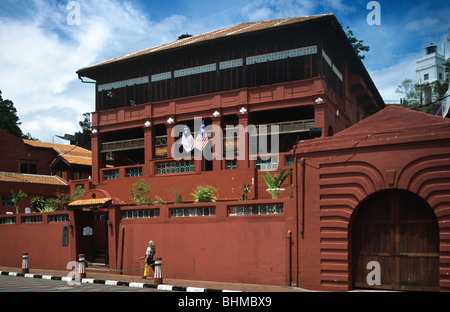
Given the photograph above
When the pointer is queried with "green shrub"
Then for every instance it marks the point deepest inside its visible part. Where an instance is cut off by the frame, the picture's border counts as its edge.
(204, 194)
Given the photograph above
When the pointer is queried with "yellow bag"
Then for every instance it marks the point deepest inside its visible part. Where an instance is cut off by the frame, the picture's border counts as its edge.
(146, 270)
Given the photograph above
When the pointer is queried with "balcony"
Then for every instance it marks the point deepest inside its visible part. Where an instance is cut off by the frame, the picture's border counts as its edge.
(123, 145)
(260, 98)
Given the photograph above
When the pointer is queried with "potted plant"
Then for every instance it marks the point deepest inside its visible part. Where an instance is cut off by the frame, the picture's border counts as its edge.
(246, 188)
(274, 184)
(204, 194)
(16, 198)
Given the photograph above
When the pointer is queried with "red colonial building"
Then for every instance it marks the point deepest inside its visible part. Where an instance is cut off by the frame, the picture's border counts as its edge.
(38, 169)
(300, 74)
(367, 205)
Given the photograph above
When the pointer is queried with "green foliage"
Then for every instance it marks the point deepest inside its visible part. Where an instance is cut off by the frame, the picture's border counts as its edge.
(184, 36)
(16, 198)
(159, 201)
(176, 196)
(424, 97)
(278, 181)
(9, 121)
(37, 203)
(83, 138)
(50, 205)
(357, 44)
(246, 188)
(204, 194)
(139, 192)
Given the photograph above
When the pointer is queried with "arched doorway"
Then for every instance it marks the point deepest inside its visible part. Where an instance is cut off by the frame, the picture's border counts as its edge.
(399, 231)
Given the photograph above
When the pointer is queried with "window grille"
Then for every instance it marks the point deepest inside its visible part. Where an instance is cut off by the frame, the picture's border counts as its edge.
(175, 167)
(253, 210)
(134, 172)
(192, 212)
(136, 214)
(111, 174)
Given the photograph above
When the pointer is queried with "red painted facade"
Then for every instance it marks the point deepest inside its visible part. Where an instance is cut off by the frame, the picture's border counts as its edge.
(367, 160)
(394, 150)
(40, 169)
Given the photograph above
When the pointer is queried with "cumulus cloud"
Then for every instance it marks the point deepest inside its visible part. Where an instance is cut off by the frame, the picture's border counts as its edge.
(388, 78)
(40, 54)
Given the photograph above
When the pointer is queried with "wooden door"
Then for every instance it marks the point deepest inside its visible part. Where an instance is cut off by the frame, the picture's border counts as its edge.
(84, 233)
(398, 230)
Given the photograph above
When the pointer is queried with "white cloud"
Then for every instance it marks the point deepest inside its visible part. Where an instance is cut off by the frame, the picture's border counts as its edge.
(387, 79)
(40, 54)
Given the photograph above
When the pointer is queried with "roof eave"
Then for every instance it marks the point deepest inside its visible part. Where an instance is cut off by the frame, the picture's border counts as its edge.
(84, 72)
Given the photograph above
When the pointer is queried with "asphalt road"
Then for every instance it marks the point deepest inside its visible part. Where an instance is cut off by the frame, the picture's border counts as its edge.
(27, 284)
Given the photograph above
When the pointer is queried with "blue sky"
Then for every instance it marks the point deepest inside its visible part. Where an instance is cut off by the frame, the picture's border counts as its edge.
(40, 51)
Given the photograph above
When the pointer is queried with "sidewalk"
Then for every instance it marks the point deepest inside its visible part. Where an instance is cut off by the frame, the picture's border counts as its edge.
(103, 277)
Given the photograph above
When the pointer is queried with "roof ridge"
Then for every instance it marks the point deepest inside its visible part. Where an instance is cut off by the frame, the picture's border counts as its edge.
(241, 28)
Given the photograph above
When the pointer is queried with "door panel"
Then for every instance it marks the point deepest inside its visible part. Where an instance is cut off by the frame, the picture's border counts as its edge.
(398, 230)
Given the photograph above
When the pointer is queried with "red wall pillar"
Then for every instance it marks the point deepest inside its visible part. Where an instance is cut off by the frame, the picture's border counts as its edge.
(96, 158)
(170, 140)
(148, 143)
(217, 143)
(243, 160)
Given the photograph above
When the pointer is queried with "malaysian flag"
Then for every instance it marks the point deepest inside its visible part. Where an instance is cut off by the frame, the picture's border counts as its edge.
(202, 138)
(187, 141)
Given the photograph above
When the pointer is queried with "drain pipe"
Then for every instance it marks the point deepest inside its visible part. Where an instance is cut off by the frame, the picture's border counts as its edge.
(81, 78)
(289, 237)
(121, 246)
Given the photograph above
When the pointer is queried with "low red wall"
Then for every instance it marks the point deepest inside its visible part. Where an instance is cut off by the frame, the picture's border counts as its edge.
(227, 182)
(42, 241)
(240, 249)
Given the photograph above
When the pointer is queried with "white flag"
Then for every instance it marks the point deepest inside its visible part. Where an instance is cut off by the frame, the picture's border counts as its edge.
(446, 103)
(187, 140)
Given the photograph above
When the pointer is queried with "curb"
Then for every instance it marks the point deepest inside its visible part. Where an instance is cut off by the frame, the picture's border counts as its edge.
(116, 283)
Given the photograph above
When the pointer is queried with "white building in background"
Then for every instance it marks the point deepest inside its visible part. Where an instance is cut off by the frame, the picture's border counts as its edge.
(431, 66)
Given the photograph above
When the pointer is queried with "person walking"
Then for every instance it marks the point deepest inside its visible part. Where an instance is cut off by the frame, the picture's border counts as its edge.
(149, 258)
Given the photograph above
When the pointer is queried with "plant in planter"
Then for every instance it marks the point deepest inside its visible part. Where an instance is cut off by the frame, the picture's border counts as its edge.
(246, 188)
(139, 192)
(16, 198)
(204, 194)
(50, 205)
(176, 194)
(274, 184)
(37, 203)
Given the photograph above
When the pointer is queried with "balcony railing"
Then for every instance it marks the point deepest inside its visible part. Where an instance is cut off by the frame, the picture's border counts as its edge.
(123, 145)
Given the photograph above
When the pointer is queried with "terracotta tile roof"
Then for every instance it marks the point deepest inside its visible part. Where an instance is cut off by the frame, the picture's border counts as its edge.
(61, 148)
(221, 33)
(78, 160)
(31, 178)
(72, 154)
(90, 202)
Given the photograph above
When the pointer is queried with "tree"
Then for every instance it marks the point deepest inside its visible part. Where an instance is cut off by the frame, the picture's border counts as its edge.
(17, 198)
(9, 121)
(425, 97)
(83, 138)
(184, 36)
(358, 45)
(139, 192)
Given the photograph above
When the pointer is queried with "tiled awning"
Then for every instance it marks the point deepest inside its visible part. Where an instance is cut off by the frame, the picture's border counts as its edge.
(90, 203)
